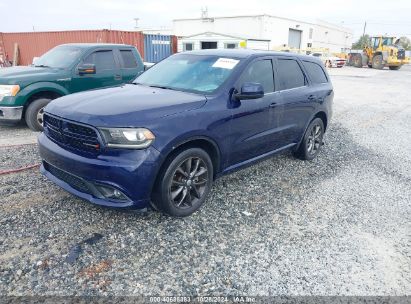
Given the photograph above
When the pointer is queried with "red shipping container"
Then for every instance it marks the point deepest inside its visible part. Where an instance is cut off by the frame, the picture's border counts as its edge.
(35, 44)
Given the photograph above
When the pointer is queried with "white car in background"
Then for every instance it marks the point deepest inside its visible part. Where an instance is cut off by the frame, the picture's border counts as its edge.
(329, 60)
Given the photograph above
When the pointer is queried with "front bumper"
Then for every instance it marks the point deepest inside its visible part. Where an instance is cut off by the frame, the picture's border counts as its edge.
(132, 172)
(11, 114)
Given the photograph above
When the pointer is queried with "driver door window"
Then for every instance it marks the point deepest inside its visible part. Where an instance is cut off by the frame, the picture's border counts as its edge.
(260, 72)
(107, 72)
(103, 60)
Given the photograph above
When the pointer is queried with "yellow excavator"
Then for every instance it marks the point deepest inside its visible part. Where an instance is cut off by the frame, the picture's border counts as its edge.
(380, 52)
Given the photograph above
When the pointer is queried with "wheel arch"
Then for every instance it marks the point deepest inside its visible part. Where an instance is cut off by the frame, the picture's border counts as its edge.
(323, 116)
(41, 90)
(203, 142)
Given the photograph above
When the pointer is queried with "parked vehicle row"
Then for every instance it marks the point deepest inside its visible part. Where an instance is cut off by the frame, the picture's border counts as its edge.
(164, 138)
(329, 60)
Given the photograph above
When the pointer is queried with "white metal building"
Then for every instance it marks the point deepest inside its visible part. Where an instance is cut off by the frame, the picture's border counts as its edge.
(210, 40)
(279, 31)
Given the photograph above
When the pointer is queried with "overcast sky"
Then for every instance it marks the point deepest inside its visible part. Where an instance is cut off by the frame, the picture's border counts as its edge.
(47, 15)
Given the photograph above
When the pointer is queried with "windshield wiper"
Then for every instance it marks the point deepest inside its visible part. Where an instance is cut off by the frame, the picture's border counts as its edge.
(41, 66)
(161, 87)
(155, 86)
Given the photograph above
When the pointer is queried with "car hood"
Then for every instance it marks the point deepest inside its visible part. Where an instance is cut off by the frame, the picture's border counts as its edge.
(124, 106)
(23, 74)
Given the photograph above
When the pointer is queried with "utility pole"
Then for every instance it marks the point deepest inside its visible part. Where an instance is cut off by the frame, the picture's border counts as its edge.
(136, 20)
(365, 26)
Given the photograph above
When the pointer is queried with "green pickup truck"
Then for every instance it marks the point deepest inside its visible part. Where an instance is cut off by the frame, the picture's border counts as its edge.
(65, 69)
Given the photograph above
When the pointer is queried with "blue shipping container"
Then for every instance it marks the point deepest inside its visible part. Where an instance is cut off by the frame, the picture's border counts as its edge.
(156, 47)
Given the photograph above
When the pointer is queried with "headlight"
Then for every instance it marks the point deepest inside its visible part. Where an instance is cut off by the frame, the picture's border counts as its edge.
(9, 90)
(129, 138)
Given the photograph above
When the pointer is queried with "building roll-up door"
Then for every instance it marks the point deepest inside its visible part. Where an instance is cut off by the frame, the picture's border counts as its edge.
(294, 38)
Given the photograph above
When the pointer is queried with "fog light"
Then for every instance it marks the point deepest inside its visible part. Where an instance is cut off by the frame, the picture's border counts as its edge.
(111, 193)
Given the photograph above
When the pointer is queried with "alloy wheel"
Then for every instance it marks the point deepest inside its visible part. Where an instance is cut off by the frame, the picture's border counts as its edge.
(189, 182)
(314, 139)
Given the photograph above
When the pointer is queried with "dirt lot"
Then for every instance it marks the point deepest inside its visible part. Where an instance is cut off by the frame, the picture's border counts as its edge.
(339, 225)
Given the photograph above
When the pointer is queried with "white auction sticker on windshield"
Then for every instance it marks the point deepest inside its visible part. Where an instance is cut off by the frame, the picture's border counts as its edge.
(225, 63)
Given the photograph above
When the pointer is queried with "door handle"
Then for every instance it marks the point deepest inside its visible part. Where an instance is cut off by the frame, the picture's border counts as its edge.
(311, 98)
(117, 77)
(273, 105)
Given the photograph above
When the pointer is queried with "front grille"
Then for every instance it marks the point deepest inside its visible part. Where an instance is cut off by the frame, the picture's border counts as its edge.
(74, 181)
(401, 54)
(71, 135)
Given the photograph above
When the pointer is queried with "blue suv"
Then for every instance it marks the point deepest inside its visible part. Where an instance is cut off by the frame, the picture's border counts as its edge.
(164, 138)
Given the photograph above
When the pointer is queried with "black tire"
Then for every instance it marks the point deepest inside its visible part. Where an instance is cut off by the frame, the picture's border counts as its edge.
(395, 67)
(357, 62)
(370, 66)
(377, 62)
(34, 115)
(312, 141)
(179, 194)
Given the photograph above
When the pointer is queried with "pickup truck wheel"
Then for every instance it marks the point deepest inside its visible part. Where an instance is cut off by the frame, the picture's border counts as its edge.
(377, 62)
(34, 114)
(184, 183)
(313, 139)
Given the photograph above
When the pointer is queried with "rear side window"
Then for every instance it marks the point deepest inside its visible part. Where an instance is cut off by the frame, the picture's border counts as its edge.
(260, 72)
(129, 60)
(315, 71)
(290, 74)
(103, 60)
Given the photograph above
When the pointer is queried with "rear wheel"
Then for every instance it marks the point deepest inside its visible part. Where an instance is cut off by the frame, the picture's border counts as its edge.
(34, 114)
(395, 67)
(184, 183)
(313, 139)
(377, 62)
(358, 61)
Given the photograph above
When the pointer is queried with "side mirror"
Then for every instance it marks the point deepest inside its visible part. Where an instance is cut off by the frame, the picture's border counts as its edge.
(87, 69)
(250, 90)
(148, 65)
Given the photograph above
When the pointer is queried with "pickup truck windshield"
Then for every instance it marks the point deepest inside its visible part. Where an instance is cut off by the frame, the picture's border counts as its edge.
(192, 73)
(58, 57)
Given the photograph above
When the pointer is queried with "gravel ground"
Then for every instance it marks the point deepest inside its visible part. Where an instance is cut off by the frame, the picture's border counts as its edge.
(339, 225)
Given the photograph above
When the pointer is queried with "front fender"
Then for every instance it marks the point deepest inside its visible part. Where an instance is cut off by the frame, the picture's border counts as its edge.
(182, 139)
(187, 137)
(38, 87)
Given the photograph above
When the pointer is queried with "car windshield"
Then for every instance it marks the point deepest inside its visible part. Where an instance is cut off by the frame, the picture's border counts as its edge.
(58, 57)
(192, 73)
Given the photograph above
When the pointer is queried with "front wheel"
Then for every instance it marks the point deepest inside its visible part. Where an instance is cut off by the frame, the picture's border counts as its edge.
(312, 141)
(184, 183)
(34, 114)
(378, 62)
